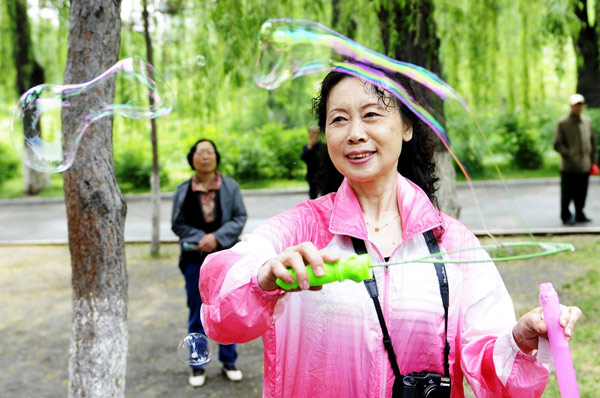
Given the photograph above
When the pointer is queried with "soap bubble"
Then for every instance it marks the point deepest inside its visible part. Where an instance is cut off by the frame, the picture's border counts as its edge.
(195, 349)
(291, 48)
(36, 127)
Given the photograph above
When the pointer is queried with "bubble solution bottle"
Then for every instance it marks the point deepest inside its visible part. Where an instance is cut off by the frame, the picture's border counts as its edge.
(189, 247)
(565, 373)
(357, 267)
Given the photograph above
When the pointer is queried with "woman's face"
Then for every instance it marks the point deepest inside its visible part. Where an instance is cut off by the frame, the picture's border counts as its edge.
(364, 138)
(205, 158)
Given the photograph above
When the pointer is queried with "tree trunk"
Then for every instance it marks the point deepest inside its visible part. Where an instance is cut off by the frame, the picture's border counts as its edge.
(155, 178)
(341, 22)
(409, 34)
(29, 74)
(95, 212)
(587, 49)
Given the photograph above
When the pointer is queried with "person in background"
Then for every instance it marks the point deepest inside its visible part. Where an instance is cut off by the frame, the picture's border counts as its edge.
(426, 326)
(574, 140)
(208, 216)
(311, 153)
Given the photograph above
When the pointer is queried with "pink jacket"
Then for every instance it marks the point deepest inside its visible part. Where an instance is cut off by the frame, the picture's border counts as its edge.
(329, 343)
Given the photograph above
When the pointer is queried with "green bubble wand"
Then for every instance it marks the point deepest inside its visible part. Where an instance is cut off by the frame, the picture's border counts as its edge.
(358, 267)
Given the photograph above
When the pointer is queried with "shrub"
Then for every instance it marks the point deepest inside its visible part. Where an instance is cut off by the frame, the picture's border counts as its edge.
(520, 142)
(9, 163)
(271, 151)
(249, 159)
(466, 143)
(286, 145)
(594, 114)
(133, 168)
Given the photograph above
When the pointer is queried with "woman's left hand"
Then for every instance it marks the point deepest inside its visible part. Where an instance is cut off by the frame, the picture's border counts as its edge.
(531, 325)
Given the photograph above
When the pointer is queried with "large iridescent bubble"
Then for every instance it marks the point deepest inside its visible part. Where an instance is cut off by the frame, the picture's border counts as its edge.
(291, 48)
(36, 128)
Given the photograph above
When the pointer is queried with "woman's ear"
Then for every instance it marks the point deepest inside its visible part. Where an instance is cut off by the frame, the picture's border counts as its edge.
(408, 132)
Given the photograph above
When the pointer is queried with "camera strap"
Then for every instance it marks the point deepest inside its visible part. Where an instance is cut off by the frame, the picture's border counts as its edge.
(440, 270)
(371, 285)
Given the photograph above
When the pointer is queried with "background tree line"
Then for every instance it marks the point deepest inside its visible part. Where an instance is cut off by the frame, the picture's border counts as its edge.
(514, 62)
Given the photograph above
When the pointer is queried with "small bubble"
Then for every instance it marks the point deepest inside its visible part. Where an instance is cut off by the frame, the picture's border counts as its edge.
(195, 349)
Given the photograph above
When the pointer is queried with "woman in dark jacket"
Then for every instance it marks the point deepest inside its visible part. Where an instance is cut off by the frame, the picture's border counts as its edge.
(208, 216)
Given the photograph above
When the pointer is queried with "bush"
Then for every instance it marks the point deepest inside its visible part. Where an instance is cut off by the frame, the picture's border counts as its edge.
(133, 168)
(520, 142)
(250, 159)
(9, 163)
(271, 151)
(286, 145)
(594, 114)
(467, 144)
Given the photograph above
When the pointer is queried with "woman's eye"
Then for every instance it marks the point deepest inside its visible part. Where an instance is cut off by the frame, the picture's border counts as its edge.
(337, 119)
(371, 114)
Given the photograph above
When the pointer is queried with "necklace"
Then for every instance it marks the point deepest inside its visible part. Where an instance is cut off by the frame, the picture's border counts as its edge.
(378, 228)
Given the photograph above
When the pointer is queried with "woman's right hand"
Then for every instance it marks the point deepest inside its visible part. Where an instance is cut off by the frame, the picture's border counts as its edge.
(296, 258)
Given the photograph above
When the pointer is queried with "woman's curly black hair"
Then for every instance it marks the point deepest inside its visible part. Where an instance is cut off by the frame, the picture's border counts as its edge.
(416, 159)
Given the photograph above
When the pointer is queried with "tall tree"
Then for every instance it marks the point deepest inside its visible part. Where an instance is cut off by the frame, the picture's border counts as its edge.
(96, 211)
(408, 31)
(155, 178)
(29, 73)
(341, 21)
(587, 48)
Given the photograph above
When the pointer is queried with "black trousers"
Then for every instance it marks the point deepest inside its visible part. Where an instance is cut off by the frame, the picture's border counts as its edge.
(573, 187)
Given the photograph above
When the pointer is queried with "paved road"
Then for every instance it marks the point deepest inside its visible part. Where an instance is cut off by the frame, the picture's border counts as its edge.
(523, 206)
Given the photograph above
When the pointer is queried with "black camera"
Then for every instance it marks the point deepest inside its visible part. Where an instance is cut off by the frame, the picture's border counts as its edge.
(425, 385)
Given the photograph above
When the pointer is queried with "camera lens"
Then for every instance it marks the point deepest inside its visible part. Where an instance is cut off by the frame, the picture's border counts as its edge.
(433, 391)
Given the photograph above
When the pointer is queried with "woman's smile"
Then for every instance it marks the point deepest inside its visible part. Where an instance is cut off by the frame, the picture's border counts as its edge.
(364, 137)
(358, 157)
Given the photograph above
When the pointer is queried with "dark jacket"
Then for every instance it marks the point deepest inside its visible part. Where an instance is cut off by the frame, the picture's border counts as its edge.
(233, 215)
(576, 143)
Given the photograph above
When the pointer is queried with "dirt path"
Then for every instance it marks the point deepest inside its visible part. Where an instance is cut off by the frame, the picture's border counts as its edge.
(35, 307)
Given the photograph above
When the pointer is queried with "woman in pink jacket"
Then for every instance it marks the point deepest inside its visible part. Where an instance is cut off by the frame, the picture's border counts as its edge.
(445, 322)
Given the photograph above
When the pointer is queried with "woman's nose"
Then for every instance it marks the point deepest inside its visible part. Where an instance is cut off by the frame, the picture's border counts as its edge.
(357, 132)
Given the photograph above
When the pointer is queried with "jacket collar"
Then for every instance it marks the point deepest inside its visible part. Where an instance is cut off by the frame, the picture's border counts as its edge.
(416, 210)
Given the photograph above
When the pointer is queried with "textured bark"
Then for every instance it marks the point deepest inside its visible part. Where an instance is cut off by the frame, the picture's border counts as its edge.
(95, 211)
(587, 49)
(29, 74)
(409, 34)
(155, 178)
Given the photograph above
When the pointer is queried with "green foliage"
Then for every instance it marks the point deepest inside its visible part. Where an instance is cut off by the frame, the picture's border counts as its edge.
(521, 143)
(594, 114)
(286, 145)
(249, 159)
(509, 55)
(9, 163)
(271, 151)
(467, 144)
(133, 168)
